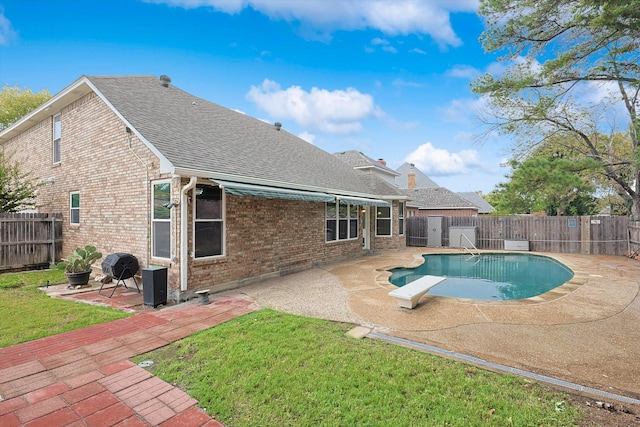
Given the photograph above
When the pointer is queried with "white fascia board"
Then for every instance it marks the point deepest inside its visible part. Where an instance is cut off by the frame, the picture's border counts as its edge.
(74, 91)
(448, 208)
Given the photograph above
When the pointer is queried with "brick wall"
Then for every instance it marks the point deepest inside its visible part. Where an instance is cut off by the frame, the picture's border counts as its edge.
(266, 237)
(98, 163)
(394, 241)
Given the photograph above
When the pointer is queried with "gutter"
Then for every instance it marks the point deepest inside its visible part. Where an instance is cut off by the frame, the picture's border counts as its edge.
(184, 242)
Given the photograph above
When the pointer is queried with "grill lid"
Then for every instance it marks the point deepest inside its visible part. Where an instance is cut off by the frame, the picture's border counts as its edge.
(120, 265)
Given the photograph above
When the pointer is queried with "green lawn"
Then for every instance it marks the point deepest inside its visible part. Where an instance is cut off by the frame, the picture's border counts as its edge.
(27, 313)
(273, 369)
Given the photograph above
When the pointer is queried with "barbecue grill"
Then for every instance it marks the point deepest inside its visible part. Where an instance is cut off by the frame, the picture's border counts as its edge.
(120, 266)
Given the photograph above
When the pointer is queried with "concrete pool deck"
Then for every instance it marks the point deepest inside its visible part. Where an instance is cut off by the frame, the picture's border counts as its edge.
(586, 332)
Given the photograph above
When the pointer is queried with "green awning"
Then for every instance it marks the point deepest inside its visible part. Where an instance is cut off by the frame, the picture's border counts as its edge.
(362, 201)
(267, 192)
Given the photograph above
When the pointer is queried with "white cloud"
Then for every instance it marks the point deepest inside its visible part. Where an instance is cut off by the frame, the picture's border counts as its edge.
(404, 83)
(437, 161)
(418, 51)
(384, 44)
(6, 31)
(309, 137)
(398, 17)
(464, 72)
(337, 111)
(465, 110)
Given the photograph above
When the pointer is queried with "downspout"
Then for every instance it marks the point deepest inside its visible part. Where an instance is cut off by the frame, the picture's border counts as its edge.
(184, 241)
(147, 189)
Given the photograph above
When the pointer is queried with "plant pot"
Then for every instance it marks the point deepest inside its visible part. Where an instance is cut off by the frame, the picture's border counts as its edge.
(78, 279)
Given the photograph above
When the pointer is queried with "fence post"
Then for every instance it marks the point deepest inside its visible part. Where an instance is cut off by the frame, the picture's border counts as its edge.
(585, 235)
(53, 239)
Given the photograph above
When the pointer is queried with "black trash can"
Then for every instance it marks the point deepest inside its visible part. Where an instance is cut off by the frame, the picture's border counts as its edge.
(154, 286)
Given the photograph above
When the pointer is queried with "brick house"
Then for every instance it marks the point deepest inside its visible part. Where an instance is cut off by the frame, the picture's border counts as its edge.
(429, 199)
(221, 199)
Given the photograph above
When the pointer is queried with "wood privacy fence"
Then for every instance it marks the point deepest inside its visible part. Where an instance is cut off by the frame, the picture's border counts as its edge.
(606, 235)
(634, 238)
(29, 240)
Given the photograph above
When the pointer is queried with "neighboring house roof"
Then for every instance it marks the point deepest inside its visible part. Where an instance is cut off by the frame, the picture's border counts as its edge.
(422, 180)
(194, 137)
(437, 198)
(483, 206)
(358, 160)
(379, 186)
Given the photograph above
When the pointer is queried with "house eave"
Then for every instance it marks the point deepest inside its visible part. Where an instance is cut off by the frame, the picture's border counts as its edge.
(71, 93)
(378, 168)
(187, 172)
(473, 208)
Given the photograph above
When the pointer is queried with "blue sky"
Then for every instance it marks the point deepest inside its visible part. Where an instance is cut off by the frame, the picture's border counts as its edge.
(389, 78)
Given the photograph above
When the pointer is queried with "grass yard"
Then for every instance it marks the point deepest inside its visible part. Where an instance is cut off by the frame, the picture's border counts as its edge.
(269, 368)
(27, 313)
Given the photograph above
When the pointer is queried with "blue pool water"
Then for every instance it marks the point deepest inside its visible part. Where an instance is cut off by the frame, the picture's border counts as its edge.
(497, 276)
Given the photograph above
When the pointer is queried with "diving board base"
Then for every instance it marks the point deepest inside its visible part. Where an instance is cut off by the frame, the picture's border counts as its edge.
(409, 294)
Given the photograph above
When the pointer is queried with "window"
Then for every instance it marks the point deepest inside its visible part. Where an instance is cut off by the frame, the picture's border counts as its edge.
(209, 222)
(341, 222)
(383, 221)
(57, 134)
(74, 208)
(401, 218)
(161, 220)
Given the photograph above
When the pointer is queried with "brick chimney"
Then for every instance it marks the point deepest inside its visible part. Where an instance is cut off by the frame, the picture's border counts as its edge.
(383, 162)
(411, 178)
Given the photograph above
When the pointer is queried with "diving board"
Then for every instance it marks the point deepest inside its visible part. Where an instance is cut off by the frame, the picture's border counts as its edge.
(409, 294)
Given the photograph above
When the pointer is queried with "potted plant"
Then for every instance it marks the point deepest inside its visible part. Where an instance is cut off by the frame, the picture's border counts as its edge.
(77, 267)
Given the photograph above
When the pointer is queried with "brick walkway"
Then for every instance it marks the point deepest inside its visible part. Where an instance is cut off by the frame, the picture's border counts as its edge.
(84, 377)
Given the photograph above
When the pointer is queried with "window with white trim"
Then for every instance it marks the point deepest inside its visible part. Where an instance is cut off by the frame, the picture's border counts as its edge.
(341, 222)
(74, 207)
(161, 220)
(208, 222)
(401, 218)
(383, 221)
(57, 135)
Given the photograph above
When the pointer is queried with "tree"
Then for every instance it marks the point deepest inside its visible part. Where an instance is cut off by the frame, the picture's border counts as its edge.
(17, 191)
(16, 102)
(552, 183)
(559, 53)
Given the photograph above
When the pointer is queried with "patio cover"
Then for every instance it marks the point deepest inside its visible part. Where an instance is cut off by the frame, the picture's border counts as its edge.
(268, 192)
(240, 189)
(362, 201)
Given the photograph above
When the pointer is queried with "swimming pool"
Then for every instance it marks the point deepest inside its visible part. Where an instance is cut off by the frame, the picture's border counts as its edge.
(496, 276)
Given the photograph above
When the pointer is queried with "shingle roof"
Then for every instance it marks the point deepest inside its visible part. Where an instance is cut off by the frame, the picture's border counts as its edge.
(195, 134)
(422, 180)
(476, 199)
(357, 159)
(378, 185)
(437, 198)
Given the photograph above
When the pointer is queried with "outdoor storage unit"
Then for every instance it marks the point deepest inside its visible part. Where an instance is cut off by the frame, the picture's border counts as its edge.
(516, 245)
(462, 237)
(154, 286)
